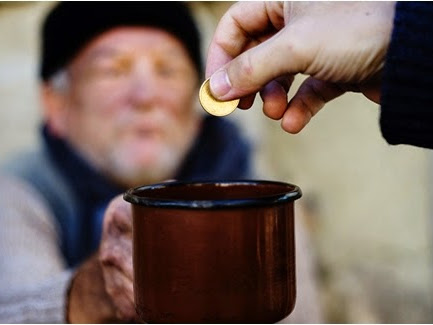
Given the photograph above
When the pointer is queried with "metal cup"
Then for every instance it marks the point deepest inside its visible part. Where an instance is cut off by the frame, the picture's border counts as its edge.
(214, 252)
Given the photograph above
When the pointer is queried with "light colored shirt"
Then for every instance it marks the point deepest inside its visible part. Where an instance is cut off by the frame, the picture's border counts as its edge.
(33, 276)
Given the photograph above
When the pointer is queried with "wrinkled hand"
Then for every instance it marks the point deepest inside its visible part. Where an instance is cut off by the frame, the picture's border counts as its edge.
(115, 256)
(261, 46)
(101, 290)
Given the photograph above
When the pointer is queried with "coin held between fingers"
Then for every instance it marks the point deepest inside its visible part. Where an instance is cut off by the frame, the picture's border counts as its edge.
(214, 106)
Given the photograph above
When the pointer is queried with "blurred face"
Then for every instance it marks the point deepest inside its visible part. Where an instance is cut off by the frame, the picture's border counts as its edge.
(129, 107)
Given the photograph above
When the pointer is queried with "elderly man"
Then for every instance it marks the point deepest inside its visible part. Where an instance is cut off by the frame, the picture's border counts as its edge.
(119, 91)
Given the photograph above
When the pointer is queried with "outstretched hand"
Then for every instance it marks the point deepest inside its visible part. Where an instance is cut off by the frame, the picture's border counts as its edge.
(261, 46)
(102, 288)
(115, 256)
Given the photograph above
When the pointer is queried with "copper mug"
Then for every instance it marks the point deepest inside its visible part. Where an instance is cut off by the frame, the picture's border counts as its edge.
(214, 252)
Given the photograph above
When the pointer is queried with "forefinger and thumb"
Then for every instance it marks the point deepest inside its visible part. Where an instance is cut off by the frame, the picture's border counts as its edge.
(242, 22)
(247, 52)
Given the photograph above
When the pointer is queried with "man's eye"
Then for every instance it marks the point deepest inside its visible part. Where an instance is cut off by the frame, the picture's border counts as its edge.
(166, 71)
(115, 70)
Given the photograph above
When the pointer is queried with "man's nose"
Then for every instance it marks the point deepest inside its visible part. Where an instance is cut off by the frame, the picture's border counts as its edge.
(143, 90)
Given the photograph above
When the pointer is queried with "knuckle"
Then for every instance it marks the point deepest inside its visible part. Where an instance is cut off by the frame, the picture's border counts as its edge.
(114, 291)
(126, 310)
(104, 251)
(224, 42)
(297, 49)
(241, 73)
(244, 65)
(111, 256)
(122, 221)
(116, 251)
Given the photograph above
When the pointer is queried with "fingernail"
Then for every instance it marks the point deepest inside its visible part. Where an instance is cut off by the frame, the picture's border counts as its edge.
(220, 83)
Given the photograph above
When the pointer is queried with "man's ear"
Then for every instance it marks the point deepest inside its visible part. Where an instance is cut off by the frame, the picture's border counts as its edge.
(54, 109)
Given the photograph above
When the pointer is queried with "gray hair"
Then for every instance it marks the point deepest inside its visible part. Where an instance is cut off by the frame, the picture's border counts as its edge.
(60, 80)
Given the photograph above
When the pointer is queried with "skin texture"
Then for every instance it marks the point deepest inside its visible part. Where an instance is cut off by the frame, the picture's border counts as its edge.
(115, 256)
(128, 107)
(102, 288)
(259, 47)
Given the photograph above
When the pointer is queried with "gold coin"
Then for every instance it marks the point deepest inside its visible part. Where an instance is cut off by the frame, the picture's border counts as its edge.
(214, 106)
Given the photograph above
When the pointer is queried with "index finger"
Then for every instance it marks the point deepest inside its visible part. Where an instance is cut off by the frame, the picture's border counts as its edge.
(242, 24)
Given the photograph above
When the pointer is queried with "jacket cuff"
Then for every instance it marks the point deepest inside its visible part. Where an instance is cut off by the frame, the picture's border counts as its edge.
(407, 87)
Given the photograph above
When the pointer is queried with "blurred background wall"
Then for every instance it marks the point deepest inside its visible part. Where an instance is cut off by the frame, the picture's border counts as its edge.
(368, 205)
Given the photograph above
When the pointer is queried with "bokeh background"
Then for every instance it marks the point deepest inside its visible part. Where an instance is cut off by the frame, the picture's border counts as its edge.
(367, 205)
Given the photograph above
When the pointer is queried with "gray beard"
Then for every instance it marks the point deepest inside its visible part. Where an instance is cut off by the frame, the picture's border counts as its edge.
(164, 168)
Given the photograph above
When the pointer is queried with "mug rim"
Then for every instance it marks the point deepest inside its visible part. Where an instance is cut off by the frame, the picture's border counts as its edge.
(293, 193)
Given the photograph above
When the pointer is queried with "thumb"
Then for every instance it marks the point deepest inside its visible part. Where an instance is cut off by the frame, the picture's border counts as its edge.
(252, 70)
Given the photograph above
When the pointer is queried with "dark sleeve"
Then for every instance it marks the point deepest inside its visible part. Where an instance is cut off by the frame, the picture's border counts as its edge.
(407, 89)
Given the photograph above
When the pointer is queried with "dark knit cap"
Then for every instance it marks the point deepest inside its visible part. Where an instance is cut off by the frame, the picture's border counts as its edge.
(70, 26)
